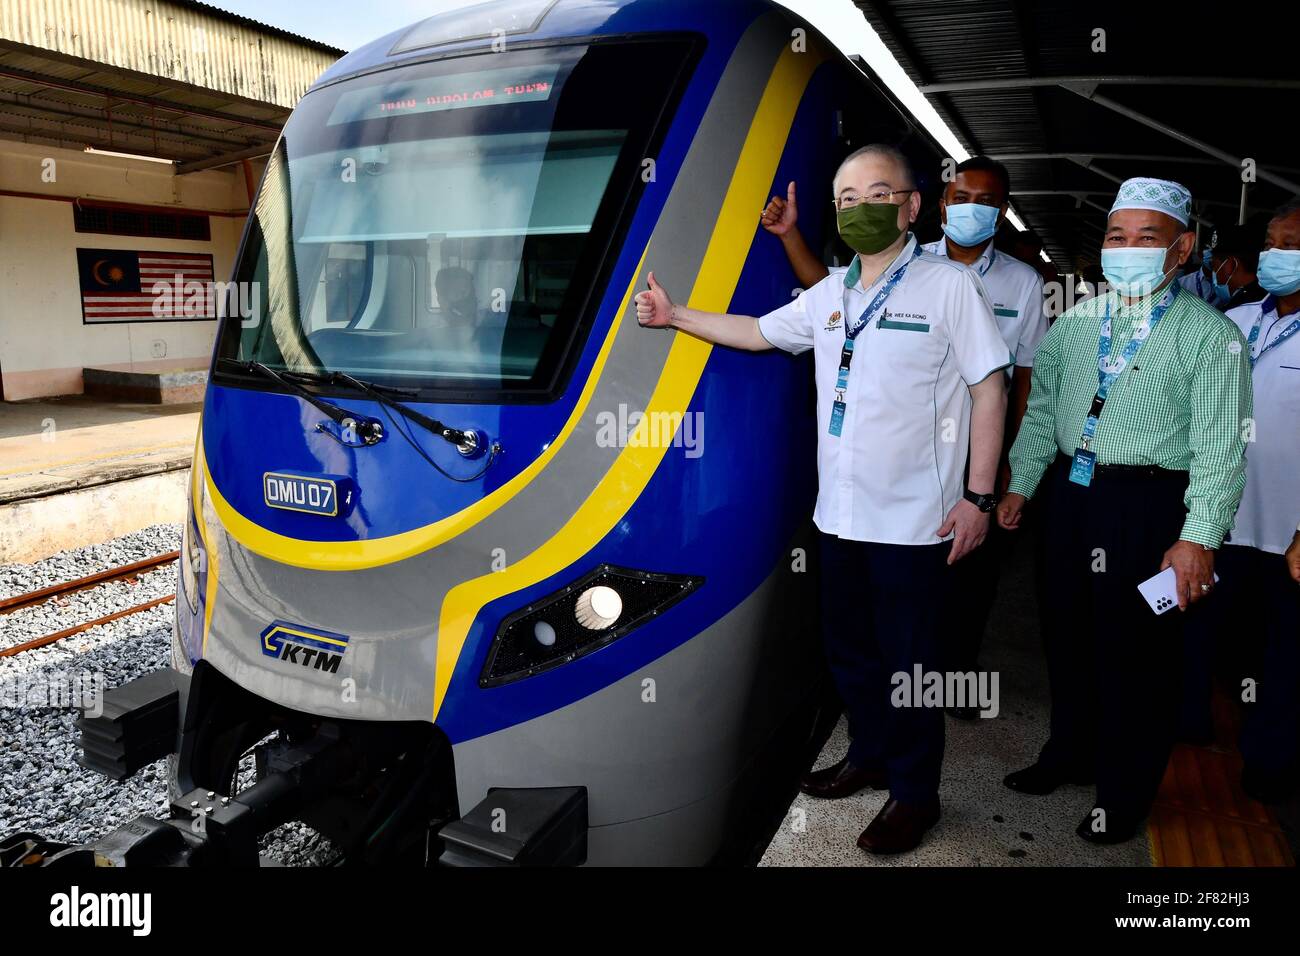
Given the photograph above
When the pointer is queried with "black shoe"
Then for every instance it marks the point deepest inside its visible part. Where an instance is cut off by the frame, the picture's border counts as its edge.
(899, 827)
(1114, 829)
(963, 713)
(842, 780)
(1039, 780)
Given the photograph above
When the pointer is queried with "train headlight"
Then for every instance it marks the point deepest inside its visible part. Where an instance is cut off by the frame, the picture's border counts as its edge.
(544, 633)
(583, 617)
(598, 607)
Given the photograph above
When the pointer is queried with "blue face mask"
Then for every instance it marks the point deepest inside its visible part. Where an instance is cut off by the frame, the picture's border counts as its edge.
(1134, 272)
(1222, 293)
(1279, 271)
(970, 223)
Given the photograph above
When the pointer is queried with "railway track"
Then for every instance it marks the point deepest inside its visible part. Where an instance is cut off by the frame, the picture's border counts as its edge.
(122, 572)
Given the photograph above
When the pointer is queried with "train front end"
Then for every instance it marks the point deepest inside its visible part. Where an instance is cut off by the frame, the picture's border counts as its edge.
(477, 569)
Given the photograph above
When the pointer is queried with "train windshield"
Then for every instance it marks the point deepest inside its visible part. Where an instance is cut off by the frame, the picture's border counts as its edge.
(443, 226)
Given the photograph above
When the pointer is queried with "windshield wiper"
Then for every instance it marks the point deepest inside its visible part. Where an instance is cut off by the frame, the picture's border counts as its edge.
(468, 443)
(471, 444)
(369, 430)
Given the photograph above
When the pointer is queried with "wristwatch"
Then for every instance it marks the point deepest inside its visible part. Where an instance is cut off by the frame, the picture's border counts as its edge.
(984, 503)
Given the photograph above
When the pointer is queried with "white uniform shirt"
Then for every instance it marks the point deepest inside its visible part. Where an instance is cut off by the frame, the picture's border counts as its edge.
(1270, 505)
(1199, 285)
(1017, 293)
(895, 471)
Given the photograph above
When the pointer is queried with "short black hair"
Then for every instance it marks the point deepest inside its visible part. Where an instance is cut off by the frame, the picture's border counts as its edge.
(985, 164)
(1244, 242)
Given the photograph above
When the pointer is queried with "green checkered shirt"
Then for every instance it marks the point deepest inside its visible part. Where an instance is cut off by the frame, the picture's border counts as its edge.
(1182, 403)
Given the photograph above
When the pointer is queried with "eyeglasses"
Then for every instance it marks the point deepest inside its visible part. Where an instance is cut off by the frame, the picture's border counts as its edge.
(874, 199)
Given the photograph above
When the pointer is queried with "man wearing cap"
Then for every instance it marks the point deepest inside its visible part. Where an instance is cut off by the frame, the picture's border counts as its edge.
(1136, 416)
(908, 366)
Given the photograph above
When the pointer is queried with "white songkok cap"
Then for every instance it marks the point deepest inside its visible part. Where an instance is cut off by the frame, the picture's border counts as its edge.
(1161, 195)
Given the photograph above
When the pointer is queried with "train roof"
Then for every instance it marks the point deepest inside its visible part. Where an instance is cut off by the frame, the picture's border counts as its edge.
(530, 21)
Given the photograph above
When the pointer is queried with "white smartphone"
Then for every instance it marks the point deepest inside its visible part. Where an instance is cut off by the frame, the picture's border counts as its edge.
(1161, 590)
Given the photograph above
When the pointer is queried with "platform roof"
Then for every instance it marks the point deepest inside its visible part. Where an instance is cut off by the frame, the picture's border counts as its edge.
(1184, 91)
(175, 79)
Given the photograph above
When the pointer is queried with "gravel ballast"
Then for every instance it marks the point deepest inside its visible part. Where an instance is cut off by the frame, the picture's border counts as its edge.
(42, 788)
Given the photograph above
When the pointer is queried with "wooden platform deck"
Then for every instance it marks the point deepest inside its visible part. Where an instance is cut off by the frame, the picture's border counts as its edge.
(1202, 817)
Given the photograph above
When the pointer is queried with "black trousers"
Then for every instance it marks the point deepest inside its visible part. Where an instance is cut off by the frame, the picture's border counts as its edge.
(1253, 620)
(974, 588)
(1114, 666)
(882, 607)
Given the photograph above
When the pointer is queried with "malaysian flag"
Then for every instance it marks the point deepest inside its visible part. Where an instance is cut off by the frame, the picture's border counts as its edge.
(121, 285)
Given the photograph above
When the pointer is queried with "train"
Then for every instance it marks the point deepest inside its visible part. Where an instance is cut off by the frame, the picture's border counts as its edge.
(477, 571)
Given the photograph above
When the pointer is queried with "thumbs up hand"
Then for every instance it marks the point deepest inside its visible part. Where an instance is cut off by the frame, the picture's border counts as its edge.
(654, 308)
(781, 214)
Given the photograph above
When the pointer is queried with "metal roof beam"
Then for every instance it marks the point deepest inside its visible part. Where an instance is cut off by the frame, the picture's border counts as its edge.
(1015, 83)
(1125, 157)
(226, 159)
(90, 114)
(1093, 96)
(154, 102)
(1101, 192)
(57, 136)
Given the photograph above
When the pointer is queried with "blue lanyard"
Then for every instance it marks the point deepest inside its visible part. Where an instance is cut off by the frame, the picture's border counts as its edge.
(871, 310)
(850, 334)
(1268, 307)
(1107, 370)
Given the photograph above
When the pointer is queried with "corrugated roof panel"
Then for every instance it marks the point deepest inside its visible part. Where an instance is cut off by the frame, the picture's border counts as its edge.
(181, 42)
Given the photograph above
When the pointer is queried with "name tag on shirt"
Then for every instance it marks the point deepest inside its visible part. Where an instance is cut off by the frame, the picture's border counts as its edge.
(1081, 469)
(837, 418)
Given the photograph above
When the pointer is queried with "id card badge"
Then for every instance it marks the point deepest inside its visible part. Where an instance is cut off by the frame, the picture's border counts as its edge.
(837, 418)
(1082, 467)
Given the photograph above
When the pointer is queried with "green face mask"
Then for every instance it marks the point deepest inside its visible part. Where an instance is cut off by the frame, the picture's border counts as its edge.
(869, 227)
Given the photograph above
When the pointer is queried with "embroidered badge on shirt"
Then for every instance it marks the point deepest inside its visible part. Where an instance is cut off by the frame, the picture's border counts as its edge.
(833, 320)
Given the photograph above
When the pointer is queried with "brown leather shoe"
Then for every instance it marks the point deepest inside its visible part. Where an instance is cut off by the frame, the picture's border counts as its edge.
(842, 780)
(899, 827)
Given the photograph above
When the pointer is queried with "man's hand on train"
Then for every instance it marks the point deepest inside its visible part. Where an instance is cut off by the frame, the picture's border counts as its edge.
(654, 308)
(781, 214)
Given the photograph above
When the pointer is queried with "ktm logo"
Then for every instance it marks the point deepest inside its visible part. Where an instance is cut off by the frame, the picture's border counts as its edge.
(307, 647)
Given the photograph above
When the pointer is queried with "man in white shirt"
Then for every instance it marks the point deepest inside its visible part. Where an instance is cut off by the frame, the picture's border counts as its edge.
(908, 364)
(1257, 584)
(974, 205)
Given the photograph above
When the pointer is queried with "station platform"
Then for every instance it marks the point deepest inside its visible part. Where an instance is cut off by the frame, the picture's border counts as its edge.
(80, 470)
(1201, 816)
